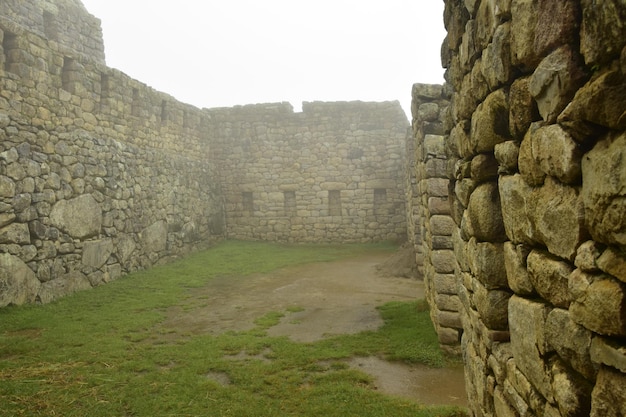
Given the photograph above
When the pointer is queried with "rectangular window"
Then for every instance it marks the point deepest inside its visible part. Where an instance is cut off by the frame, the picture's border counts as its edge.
(9, 47)
(248, 201)
(105, 86)
(50, 26)
(68, 76)
(380, 202)
(164, 112)
(334, 202)
(290, 203)
(135, 109)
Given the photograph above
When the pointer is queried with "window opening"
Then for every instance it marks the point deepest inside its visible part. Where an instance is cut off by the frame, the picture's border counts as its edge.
(334, 202)
(248, 201)
(50, 26)
(290, 203)
(380, 202)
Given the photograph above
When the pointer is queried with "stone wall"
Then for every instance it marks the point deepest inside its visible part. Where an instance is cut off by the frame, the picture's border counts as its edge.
(538, 146)
(66, 25)
(332, 173)
(99, 174)
(429, 222)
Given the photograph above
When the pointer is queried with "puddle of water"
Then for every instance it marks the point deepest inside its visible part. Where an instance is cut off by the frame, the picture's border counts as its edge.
(430, 386)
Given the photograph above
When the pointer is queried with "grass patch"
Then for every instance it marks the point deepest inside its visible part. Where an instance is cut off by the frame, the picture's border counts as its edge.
(95, 353)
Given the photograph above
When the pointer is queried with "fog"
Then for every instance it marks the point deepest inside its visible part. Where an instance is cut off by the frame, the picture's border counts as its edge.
(225, 53)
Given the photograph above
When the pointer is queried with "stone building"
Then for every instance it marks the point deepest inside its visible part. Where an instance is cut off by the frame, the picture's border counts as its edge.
(101, 175)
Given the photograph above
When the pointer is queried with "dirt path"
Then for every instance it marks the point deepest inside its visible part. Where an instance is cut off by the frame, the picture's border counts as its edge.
(336, 298)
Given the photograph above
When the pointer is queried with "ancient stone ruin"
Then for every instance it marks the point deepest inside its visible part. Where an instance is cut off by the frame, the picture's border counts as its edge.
(510, 185)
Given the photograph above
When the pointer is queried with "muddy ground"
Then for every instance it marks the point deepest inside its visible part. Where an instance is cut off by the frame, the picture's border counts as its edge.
(336, 298)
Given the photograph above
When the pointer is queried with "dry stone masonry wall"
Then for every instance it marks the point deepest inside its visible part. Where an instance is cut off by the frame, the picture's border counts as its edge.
(537, 145)
(101, 175)
(332, 173)
(429, 221)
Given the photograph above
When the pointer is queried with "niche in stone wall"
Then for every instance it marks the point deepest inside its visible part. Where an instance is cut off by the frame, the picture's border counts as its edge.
(290, 203)
(9, 48)
(380, 202)
(164, 112)
(69, 76)
(135, 108)
(247, 200)
(334, 202)
(50, 26)
(105, 86)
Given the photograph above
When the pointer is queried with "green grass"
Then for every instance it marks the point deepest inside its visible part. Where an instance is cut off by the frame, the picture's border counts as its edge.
(103, 353)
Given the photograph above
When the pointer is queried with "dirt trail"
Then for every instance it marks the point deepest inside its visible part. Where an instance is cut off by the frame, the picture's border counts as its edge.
(336, 298)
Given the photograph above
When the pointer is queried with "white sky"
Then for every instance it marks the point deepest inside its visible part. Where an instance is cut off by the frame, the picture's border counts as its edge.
(212, 53)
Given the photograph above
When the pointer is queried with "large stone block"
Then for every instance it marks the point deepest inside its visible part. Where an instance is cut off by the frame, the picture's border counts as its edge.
(507, 155)
(96, 253)
(523, 26)
(62, 286)
(599, 103)
(609, 352)
(550, 277)
(572, 393)
(15, 233)
(557, 24)
(603, 33)
(485, 213)
(528, 343)
(555, 81)
(574, 349)
(558, 213)
(557, 154)
(515, 195)
(490, 123)
(7, 187)
(522, 108)
(529, 166)
(608, 398)
(486, 261)
(612, 262)
(154, 237)
(515, 265)
(598, 303)
(18, 283)
(492, 305)
(604, 190)
(496, 60)
(80, 217)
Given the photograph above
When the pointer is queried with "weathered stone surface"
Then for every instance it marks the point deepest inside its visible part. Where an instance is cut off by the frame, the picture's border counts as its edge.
(558, 218)
(574, 348)
(550, 277)
(598, 303)
(7, 187)
(608, 398)
(526, 323)
(529, 166)
(80, 217)
(557, 24)
(490, 123)
(600, 102)
(62, 286)
(587, 255)
(613, 261)
(485, 214)
(18, 283)
(555, 81)
(441, 225)
(507, 154)
(608, 352)
(154, 237)
(492, 305)
(523, 25)
(571, 391)
(501, 406)
(486, 262)
(603, 193)
(522, 108)
(498, 55)
(484, 167)
(515, 267)
(17, 233)
(515, 195)
(603, 33)
(96, 253)
(557, 154)
(443, 261)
